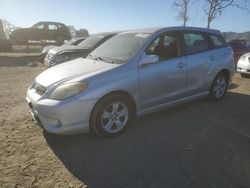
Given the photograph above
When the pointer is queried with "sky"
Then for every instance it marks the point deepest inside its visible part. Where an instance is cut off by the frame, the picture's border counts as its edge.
(115, 15)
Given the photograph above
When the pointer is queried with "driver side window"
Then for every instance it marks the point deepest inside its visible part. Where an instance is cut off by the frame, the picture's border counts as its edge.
(164, 46)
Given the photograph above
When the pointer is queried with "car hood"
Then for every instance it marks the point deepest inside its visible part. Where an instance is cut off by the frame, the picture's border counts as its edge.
(67, 48)
(78, 68)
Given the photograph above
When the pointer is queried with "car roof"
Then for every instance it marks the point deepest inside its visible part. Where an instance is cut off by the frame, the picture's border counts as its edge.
(50, 22)
(180, 28)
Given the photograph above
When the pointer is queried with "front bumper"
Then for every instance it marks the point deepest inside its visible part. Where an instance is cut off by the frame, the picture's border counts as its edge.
(243, 67)
(68, 116)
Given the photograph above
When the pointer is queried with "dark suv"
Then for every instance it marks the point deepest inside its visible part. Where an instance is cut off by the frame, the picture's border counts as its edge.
(42, 31)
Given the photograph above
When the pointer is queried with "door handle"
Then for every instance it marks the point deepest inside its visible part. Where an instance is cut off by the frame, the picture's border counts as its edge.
(180, 65)
(212, 58)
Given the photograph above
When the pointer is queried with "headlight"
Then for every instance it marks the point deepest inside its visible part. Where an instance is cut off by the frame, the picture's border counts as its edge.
(68, 90)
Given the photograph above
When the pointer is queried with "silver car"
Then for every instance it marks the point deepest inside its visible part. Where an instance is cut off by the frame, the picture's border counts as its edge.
(132, 74)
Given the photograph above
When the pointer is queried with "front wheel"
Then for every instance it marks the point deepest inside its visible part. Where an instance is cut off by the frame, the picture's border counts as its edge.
(111, 116)
(219, 87)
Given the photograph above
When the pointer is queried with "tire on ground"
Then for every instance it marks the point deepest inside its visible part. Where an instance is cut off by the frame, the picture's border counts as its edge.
(96, 120)
(215, 94)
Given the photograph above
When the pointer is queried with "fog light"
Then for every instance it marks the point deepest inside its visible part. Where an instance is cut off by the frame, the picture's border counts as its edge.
(54, 124)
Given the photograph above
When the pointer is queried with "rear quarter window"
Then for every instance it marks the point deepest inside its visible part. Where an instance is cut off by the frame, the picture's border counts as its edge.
(217, 41)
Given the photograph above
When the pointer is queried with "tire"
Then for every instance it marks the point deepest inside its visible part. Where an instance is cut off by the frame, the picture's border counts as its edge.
(60, 39)
(219, 86)
(111, 116)
(245, 75)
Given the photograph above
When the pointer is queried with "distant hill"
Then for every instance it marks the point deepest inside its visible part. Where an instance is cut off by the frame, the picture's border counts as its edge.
(233, 35)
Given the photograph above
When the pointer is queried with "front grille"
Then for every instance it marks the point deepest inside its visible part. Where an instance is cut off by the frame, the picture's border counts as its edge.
(39, 88)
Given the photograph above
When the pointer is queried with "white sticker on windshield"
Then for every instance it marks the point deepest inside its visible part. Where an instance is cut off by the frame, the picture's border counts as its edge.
(143, 35)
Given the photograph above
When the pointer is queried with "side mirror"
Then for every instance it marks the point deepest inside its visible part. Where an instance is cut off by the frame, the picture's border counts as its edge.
(149, 59)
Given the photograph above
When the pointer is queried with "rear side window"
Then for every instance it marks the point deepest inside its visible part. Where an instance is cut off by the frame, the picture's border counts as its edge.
(218, 41)
(52, 27)
(195, 42)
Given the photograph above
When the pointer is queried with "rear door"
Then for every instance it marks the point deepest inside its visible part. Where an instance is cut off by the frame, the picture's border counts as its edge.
(199, 58)
(52, 31)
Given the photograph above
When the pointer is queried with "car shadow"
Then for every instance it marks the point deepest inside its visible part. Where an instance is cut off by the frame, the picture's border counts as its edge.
(233, 86)
(191, 145)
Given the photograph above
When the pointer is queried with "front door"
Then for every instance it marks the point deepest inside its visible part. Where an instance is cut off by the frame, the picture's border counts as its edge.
(164, 81)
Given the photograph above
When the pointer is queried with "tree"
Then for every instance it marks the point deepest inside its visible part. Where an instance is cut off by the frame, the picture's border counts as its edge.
(214, 8)
(6, 27)
(72, 30)
(181, 7)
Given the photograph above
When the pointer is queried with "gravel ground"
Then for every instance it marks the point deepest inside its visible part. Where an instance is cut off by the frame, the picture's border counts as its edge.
(198, 144)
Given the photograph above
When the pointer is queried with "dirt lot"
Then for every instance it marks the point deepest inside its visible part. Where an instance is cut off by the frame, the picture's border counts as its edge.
(200, 144)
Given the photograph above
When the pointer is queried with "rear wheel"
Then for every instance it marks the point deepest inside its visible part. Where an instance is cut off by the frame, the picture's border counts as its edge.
(111, 116)
(219, 86)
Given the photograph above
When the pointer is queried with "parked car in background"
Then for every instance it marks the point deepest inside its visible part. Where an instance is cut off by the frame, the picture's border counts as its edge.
(239, 49)
(42, 31)
(243, 66)
(74, 42)
(65, 53)
(244, 42)
(132, 74)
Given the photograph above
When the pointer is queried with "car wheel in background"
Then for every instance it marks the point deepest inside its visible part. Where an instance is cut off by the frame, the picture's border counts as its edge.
(111, 116)
(219, 87)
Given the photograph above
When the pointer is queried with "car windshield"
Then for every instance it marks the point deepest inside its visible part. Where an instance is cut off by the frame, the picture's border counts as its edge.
(91, 41)
(36, 25)
(121, 47)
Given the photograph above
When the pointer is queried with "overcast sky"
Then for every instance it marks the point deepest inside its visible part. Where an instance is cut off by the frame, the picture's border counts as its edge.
(112, 15)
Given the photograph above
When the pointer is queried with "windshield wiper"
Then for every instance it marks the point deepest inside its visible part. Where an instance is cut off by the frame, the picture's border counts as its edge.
(101, 59)
(104, 59)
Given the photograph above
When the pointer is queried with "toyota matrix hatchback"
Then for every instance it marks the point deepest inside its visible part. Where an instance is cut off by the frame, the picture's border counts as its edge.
(132, 74)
